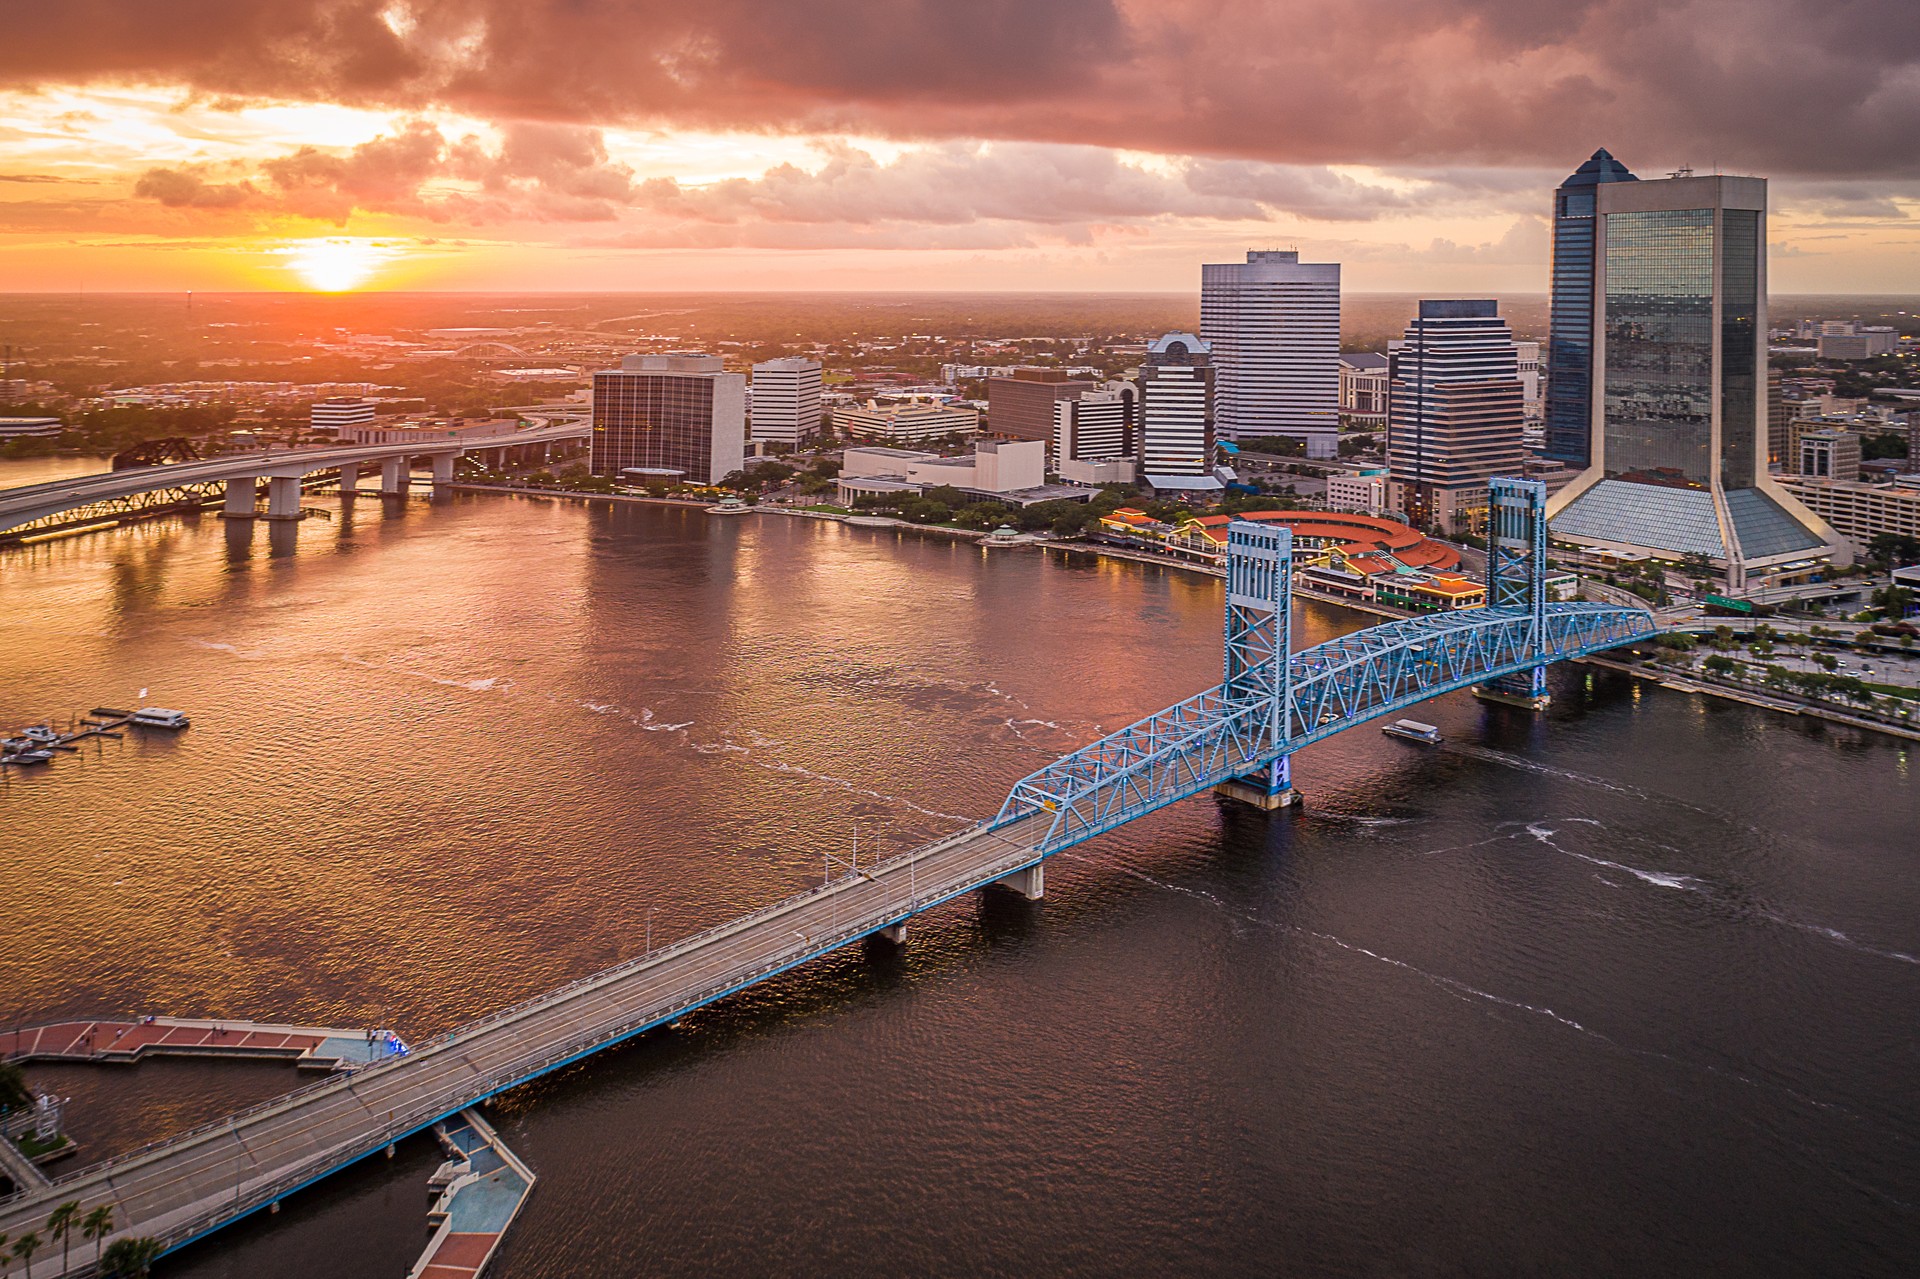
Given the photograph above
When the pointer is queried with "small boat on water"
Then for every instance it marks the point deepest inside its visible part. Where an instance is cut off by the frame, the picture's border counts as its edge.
(40, 733)
(27, 757)
(1414, 731)
(160, 717)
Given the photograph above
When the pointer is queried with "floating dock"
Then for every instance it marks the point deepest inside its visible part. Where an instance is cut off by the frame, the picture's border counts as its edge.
(481, 1189)
(125, 1042)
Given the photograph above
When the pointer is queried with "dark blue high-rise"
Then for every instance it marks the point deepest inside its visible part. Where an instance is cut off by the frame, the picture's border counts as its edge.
(1570, 332)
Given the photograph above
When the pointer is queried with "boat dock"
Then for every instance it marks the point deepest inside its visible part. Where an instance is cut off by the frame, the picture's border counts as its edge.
(37, 743)
(127, 1041)
(481, 1189)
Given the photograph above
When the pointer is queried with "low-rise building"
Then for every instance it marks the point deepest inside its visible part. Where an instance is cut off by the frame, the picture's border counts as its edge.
(1830, 455)
(1858, 342)
(428, 431)
(1098, 471)
(332, 416)
(871, 461)
(1006, 470)
(904, 422)
(1430, 592)
(1365, 389)
(28, 428)
(1859, 512)
(1365, 491)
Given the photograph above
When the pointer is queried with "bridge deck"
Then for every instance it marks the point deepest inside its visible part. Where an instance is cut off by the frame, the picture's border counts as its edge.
(31, 502)
(188, 1185)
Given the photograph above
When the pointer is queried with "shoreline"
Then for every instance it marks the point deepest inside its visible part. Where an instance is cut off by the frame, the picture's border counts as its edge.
(1779, 703)
(1782, 705)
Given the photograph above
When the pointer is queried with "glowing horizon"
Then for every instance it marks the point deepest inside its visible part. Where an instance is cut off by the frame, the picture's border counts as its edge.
(502, 152)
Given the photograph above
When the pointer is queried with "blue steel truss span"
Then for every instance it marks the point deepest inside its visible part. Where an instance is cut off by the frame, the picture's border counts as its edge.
(1272, 703)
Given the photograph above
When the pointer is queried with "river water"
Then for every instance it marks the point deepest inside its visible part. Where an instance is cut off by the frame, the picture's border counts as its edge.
(1627, 987)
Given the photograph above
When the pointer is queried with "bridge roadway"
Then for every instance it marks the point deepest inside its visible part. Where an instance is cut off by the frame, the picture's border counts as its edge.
(32, 502)
(186, 1186)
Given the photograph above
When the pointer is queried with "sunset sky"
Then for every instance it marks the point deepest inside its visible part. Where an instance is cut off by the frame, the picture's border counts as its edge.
(922, 144)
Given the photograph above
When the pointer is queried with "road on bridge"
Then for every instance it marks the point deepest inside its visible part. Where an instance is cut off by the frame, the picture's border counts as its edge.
(188, 1185)
(35, 501)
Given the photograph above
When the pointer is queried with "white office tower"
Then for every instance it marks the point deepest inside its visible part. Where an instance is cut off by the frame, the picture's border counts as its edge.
(1177, 415)
(1098, 425)
(1094, 436)
(1274, 325)
(786, 401)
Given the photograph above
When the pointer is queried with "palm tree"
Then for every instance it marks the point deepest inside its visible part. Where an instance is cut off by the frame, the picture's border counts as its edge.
(25, 1246)
(132, 1258)
(60, 1226)
(14, 1092)
(97, 1226)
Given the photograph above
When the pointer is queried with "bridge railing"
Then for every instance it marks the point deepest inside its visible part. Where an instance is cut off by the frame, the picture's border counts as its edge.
(440, 1102)
(468, 1030)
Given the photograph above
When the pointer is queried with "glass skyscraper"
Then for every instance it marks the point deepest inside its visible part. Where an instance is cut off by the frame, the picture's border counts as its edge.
(1570, 328)
(1676, 455)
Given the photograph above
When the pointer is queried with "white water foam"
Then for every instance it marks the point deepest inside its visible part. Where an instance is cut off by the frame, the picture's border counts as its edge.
(219, 647)
(487, 684)
(1462, 990)
(647, 722)
(1664, 879)
(1669, 879)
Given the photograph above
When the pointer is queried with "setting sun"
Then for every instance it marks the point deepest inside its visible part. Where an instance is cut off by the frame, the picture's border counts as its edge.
(336, 265)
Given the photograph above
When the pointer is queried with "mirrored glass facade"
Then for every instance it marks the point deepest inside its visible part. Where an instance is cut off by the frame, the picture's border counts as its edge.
(1569, 354)
(1740, 371)
(1659, 347)
(1570, 336)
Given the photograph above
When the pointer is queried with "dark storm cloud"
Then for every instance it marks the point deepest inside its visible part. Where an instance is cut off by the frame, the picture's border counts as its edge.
(1816, 88)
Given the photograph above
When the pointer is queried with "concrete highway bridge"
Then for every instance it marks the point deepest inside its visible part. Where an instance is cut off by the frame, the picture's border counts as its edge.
(1235, 738)
(236, 481)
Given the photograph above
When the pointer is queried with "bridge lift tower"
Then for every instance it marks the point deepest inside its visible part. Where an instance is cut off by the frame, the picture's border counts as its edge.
(1517, 578)
(1259, 641)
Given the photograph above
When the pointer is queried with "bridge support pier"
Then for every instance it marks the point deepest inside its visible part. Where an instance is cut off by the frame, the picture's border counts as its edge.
(1030, 883)
(283, 497)
(349, 478)
(443, 468)
(241, 496)
(396, 473)
(1270, 789)
(1525, 689)
(895, 933)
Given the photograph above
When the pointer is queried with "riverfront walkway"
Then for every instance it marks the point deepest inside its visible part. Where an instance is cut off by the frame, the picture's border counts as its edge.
(186, 1186)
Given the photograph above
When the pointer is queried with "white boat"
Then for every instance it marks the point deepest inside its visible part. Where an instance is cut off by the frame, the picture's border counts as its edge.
(1414, 731)
(159, 717)
(30, 757)
(40, 733)
(16, 744)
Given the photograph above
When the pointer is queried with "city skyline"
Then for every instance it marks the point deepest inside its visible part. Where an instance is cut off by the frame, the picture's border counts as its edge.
(471, 146)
